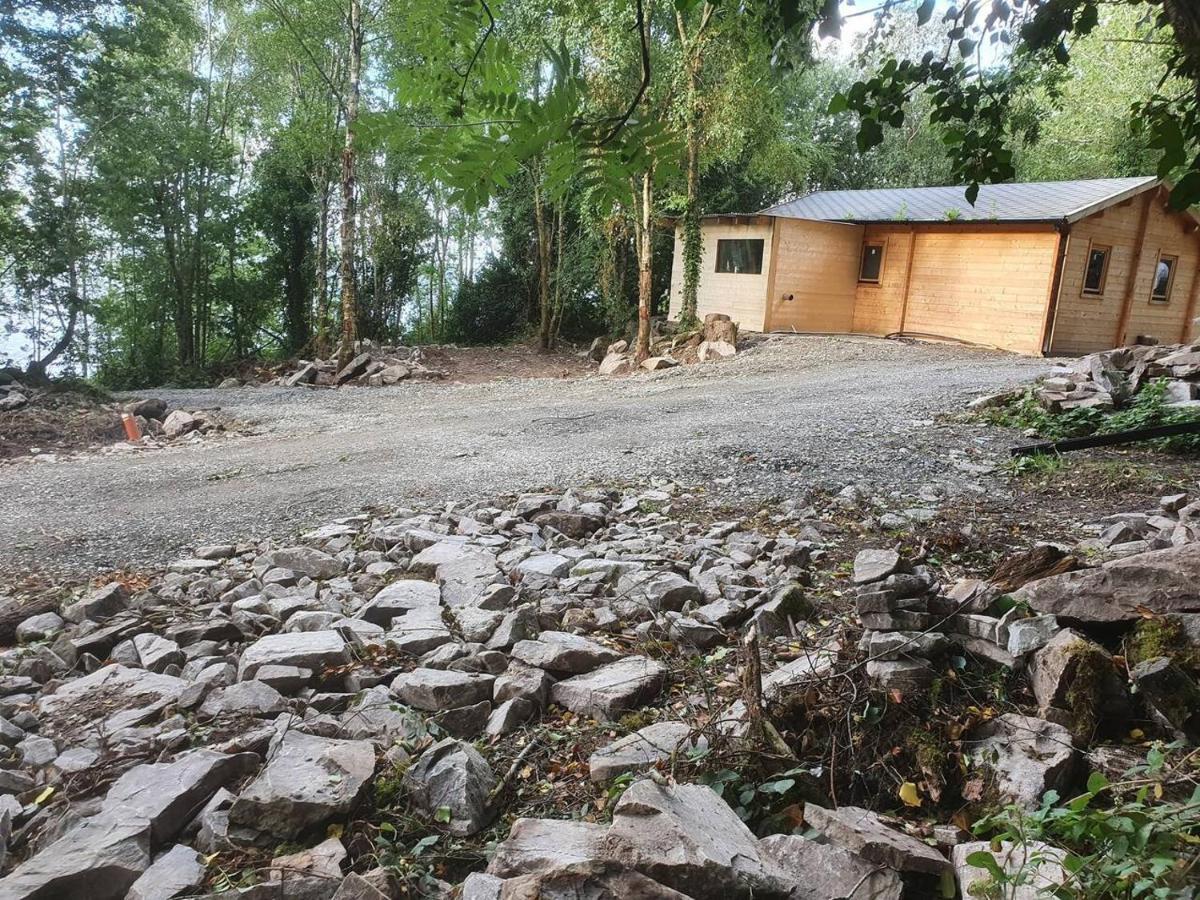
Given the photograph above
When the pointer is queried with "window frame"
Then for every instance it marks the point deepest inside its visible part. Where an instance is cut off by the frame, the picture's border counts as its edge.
(881, 243)
(1087, 262)
(761, 256)
(1165, 299)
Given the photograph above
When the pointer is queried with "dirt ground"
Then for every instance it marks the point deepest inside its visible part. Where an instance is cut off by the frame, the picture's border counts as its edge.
(792, 416)
(472, 365)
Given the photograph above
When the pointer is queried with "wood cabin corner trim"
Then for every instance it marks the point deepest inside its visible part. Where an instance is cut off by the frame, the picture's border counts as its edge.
(771, 268)
(1057, 274)
(908, 268)
(1134, 267)
(1189, 311)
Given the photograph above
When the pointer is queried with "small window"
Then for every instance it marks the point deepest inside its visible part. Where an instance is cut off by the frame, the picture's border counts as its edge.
(1097, 269)
(740, 257)
(871, 264)
(1164, 278)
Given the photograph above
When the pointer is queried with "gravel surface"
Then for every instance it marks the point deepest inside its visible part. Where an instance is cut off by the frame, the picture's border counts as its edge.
(792, 413)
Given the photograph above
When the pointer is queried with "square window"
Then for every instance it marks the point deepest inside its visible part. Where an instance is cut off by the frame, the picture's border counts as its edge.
(1096, 273)
(742, 256)
(871, 264)
(1164, 278)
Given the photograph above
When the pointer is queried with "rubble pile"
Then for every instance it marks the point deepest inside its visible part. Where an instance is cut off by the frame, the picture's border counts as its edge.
(716, 339)
(1109, 380)
(254, 701)
(373, 365)
(13, 394)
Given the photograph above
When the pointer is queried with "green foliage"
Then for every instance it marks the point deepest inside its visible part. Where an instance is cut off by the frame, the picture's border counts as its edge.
(492, 307)
(1147, 409)
(1120, 841)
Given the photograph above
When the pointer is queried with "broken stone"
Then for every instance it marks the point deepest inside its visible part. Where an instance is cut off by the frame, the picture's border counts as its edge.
(874, 565)
(157, 653)
(656, 591)
(816, 871)
(303, 560)
(1171, 693)
(438, 689)
(1039, 867)
(687, 837)
(1161, 581)
(1070, 658)
(1026, 756)
(102, 603)
(176, 872)
(453, 775)
(419, 631)
(612, 689)
(39, 628)
(314, 650)
(908, 676)
(307, 781)
(861, 832)
(535, 846)
(562, 653)
(126, 696)
(1027, 635)
(247, 698)
(643, 749)
(144, 809)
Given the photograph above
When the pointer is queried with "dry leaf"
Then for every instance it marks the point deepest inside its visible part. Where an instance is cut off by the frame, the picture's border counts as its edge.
(909, 794)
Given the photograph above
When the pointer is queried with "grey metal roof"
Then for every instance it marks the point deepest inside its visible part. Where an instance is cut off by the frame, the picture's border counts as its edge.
(1043, 201)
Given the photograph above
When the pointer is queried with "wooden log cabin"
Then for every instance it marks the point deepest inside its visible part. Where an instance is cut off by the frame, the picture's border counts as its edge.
(1050, 268)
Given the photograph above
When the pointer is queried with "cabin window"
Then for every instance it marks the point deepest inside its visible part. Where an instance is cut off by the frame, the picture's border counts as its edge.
(871, 264)
(742, 256)
(1164, 278)
(1097, 269)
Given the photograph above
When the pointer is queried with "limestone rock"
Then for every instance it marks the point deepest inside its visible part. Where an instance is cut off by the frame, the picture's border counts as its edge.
(177, 872)
(1025, 756)
(1040, 865)
(815, 871)
(398, 598)
(546, 845)
(315, 650)
(454, 775)
(687, 837)
(861, 832)
(438, 689)
(875, 565)
(563, 654)
(307, 781)
(607, 692)
(1163, 581)
(643, 749)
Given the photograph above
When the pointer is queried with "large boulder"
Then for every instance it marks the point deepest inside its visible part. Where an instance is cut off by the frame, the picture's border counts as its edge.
(1078, 675)
(308, 781)
(1160, 581)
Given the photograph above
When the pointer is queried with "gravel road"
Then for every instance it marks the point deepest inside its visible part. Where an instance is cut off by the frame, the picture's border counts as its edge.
(791, 413)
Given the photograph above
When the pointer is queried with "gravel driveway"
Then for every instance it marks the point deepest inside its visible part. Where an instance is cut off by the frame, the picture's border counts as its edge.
(791, 413)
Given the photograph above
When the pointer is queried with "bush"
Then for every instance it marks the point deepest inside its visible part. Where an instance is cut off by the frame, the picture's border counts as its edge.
(1130, 839)
(491, 309)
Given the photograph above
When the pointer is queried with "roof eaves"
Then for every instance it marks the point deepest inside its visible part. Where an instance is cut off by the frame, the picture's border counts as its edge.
(1111, 200)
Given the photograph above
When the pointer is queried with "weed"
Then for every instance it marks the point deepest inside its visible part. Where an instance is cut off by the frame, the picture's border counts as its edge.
(1112, 843)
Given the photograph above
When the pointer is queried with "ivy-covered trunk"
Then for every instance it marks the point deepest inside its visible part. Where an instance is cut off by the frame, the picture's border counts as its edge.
(349, 275)
(543, 264)
(645, 250)
(691, 212)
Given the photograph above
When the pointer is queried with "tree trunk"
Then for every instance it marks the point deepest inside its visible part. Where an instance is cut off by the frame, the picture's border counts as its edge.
(645, 265)
(691, 210)
(349, 274)
(543, 260)
(322, 285)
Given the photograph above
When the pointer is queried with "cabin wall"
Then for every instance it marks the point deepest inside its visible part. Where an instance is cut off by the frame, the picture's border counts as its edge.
(878, 308)
(1085, 323)
(740, 296)
(989, 285)
(814, 276)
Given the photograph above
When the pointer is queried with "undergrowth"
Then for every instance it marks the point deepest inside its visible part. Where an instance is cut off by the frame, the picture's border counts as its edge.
(1147, 409)
(1136, 838)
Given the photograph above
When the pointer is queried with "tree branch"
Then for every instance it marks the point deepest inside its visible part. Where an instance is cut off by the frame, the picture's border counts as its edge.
(643, 87)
